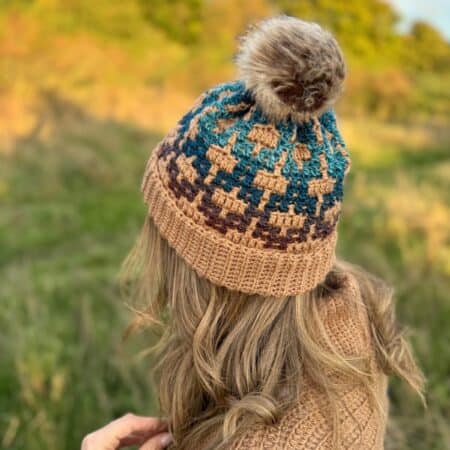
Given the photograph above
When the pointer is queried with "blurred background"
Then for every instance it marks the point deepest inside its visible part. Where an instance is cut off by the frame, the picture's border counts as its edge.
(86, 90)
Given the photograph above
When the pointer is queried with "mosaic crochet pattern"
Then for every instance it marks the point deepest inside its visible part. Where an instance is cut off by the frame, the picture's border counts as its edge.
(259, 184)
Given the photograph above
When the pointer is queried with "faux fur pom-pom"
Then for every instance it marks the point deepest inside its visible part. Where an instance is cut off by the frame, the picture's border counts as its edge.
(293, 68)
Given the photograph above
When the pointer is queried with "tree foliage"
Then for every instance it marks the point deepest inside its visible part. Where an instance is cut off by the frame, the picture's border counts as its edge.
(391, 74)
(180, 19)
(428, 50)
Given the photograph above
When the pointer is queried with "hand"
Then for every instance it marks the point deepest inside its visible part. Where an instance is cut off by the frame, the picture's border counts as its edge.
(150, 433)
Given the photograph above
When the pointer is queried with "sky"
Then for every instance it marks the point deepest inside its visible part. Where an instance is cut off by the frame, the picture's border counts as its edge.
(437, 12)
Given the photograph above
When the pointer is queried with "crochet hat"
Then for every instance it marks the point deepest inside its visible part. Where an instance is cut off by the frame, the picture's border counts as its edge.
(247, 188)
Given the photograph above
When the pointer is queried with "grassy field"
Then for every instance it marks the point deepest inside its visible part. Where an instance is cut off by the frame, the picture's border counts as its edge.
(70, 209)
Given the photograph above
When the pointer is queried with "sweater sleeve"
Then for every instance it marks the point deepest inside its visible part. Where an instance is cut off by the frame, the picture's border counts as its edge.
(308, 425)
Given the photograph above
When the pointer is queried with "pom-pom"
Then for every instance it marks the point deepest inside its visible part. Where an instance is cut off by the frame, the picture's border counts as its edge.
(293, 68)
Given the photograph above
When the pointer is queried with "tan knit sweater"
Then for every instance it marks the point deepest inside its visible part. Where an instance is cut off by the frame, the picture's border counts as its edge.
(308, 425)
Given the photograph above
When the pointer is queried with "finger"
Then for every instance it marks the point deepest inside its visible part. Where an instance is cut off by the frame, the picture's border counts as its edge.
(135, 439)
(131, 424)
(158, 442)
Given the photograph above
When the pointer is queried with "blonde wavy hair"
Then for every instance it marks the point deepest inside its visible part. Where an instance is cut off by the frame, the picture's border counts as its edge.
(215, 380)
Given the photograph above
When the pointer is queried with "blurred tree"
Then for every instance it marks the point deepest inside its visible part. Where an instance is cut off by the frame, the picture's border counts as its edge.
(154, 38)
(366, 29)
(223, 21)
(426, 49)
(182, 20)
(4, 4)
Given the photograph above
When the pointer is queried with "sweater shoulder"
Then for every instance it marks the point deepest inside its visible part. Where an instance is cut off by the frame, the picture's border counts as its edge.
(309, 423)
(345, 319)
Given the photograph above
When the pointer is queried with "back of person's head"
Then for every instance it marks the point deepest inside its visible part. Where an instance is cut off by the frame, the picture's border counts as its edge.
(237, 256)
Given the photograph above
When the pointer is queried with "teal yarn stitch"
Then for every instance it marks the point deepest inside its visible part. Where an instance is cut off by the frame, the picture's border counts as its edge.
(214, 107)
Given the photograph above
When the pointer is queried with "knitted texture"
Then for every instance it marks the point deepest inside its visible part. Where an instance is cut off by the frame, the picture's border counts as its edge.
(308, 424)
(251, 204)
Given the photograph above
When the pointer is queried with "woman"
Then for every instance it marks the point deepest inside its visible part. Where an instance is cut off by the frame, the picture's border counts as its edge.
(268, 341)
